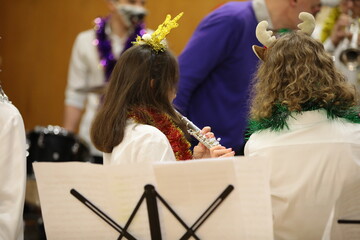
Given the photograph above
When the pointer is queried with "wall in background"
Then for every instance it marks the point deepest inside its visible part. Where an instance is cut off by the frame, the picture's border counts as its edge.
(36, 42)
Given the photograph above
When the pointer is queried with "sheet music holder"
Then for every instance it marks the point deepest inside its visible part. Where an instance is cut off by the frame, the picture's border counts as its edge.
(151, 195)
(189, 188)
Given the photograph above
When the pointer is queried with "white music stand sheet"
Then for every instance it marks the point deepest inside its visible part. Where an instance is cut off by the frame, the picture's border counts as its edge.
(188, 187)
(191, 187)
(347, 207)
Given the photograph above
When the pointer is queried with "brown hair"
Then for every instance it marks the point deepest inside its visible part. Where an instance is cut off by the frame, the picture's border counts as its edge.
(141, 78)
(297, 71)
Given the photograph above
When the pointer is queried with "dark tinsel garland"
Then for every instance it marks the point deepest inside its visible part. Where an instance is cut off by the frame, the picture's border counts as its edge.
(103, 43)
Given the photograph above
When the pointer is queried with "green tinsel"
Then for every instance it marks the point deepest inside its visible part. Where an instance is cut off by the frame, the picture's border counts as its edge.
(278, 120)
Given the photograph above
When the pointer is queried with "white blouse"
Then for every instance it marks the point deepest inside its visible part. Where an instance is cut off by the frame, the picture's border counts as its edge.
(12, 172)
(141, 143)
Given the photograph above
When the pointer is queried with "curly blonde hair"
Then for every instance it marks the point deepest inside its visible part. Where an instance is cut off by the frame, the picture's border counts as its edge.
(297, 71)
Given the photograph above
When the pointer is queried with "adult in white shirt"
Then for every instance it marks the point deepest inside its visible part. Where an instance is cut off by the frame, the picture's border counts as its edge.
(94, 55)
(305, 125)
(12, 170)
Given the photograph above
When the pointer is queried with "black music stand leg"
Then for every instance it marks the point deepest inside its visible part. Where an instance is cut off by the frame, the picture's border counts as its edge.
(132, 216)
(189, 230)
(348, 221)
(153, 214)
(208, 212)
(101, 214)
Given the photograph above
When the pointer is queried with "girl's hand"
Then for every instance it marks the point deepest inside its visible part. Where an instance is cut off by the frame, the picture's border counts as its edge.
(200, 151)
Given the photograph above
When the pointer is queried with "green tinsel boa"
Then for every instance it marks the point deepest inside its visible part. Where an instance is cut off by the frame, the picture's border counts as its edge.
(278, 120)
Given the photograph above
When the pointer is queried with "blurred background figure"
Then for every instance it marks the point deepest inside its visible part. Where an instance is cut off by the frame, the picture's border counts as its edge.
(12, 170)
(217, 64)
(93, 58)
(339, 31)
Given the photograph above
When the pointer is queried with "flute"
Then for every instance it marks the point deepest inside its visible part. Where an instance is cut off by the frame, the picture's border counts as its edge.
(194, 131)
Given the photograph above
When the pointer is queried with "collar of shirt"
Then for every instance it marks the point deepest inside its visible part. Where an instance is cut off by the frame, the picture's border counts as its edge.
(261, 12)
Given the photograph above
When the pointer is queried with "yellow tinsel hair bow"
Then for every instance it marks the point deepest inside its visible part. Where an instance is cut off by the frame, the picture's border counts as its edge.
(156, 39)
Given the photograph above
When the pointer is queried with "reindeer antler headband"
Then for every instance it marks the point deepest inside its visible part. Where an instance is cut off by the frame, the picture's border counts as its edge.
(266, 36)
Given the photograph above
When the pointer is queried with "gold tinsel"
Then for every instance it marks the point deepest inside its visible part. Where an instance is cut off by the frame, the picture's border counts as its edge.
(156, 39)
(329, 23)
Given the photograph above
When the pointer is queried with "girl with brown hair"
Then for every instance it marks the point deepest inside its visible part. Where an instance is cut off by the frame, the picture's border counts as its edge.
(137, 121)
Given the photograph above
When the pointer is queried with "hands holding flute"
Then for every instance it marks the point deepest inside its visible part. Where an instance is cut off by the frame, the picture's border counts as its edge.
(201, 151)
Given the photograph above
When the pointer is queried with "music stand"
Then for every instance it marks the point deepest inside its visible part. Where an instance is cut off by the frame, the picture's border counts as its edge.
(150, 194)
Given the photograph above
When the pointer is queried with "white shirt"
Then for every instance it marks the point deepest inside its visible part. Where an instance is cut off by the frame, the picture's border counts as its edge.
(141, 143)
(261, 12)
(85, 71)
(12, 172)
(310, 164)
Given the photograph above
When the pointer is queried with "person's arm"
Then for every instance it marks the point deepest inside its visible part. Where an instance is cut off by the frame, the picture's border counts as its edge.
(209, 46)
(156, 147)
(77, 79)
(340, 30)
(12, 172)
(72, 117)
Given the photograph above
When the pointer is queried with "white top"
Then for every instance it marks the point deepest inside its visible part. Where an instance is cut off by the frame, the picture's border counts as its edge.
(85, 71)
(310, 164)
(141, 143)
(12, 172)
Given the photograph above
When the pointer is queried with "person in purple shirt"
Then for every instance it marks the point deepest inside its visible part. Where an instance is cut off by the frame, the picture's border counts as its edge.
(217, 65)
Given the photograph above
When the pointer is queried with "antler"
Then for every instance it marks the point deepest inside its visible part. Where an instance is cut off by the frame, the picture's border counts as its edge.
(308, 24)
(264, 36)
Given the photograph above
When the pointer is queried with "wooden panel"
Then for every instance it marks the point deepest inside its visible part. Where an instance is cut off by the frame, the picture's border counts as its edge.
(37, 36)
(194, 11)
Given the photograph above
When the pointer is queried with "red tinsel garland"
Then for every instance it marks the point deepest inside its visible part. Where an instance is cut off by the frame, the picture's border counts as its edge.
(179, 144)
